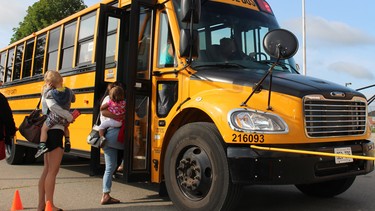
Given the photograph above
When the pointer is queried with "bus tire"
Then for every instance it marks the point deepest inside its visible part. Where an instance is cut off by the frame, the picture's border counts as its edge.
(15, 153)
(30, 155)
(196, 170)
(327, 189)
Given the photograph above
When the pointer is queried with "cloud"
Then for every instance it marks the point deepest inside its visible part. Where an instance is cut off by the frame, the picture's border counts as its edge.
(321, 32)
(12, 13)
(354, 70)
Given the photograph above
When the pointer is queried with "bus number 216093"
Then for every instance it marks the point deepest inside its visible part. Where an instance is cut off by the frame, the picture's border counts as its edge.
(248, 138)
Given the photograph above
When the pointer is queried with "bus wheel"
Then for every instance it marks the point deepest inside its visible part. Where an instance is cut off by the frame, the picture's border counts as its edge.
(196, 170)
(14, 153)
(30, 155)
(327, 189)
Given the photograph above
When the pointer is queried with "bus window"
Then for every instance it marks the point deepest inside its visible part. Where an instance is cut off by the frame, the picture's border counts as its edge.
(67, 50)
(2, 65)
(26, 69)
(53, 46)
(39, 55)
(252, 43)
(18, 62)
(111, 39)
(9, 65)
(86, 38)
(219, 34)
(141, 124)
(166, 96)
(144, 45)
(166, 48)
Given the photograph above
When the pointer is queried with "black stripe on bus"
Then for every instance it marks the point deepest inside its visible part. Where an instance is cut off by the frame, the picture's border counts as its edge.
(76, 71)
(31, 96)
(28, 111)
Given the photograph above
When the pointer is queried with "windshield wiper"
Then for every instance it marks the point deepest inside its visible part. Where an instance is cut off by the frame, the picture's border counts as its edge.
(280, 64)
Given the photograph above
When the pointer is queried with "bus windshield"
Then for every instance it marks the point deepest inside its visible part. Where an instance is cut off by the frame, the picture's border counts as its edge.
(231, 35)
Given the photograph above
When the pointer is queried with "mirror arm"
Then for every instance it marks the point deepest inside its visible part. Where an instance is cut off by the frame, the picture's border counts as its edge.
(280, 52)
(261, 82)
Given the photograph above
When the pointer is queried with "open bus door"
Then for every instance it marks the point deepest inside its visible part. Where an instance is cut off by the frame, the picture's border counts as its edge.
(132, 69)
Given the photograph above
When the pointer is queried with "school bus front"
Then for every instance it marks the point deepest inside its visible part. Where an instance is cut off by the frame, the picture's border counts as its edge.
(234, 123)
(210, 108)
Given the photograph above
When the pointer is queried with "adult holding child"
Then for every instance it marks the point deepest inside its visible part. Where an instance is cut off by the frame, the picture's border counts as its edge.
(112, 148)
(60, 113)
(54, 142)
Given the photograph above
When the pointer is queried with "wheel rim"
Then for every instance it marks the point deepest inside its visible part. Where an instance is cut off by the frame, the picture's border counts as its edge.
(194, 173)
(8, 150)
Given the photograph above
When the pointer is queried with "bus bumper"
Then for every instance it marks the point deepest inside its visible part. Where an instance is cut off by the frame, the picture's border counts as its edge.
(253, 166)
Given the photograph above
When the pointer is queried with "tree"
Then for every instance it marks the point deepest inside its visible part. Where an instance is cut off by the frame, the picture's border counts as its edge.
(44, 13)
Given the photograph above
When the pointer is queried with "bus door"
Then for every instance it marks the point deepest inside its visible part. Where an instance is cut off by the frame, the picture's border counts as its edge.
(133, 69)
(110, 63)
(138, 65)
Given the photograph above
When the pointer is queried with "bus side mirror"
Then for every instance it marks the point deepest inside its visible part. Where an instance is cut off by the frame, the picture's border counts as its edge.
(188, 43)
(280, 44)
(190, 11)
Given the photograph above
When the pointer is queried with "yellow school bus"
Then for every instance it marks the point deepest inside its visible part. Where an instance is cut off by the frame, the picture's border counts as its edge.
(214, 100)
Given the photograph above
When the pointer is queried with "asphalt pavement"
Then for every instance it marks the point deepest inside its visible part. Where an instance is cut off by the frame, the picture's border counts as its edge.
(75, 189)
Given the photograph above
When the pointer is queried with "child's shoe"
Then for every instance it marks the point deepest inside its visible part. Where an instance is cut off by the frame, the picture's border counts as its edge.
(42, 148)
(102, 141)
(67, 146)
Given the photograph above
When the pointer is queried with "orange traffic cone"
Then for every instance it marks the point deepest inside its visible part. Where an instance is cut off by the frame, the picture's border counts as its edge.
(48, 206)
(17, 204)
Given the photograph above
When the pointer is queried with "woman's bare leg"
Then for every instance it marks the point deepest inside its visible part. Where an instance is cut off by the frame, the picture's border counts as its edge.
(54, 160)
(41, 189)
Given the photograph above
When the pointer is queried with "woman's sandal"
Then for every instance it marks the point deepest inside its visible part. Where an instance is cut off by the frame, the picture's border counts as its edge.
(110, 200)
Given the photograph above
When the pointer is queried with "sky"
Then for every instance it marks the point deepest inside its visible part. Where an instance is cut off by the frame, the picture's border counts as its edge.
(340, 39)
(340, 36)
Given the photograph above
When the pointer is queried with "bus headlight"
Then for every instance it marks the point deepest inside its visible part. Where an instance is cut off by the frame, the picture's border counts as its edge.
(256, 121)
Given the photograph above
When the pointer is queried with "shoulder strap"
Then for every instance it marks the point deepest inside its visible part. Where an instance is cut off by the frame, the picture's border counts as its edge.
(40, 99)
(97, 119)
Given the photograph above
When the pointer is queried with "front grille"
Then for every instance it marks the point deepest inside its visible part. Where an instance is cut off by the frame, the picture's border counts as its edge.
(332, 118)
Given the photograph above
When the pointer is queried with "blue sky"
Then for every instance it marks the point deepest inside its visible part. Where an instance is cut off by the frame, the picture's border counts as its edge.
(340, 39)
(340, 36)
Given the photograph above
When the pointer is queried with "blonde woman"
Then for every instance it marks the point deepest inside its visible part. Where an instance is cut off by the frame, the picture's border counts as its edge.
(64, 97)
(54, 143)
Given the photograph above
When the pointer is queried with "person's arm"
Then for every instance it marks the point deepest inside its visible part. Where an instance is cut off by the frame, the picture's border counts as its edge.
(54, 107)
(104, 107)
(108, 114)
(6, 118)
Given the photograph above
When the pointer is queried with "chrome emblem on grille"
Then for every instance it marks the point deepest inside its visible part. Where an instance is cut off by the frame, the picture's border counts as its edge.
(337, 94)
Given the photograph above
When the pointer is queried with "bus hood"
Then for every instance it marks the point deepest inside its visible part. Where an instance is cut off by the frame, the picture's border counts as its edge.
(287, 83)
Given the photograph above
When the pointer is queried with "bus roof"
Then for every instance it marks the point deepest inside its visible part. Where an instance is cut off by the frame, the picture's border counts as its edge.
(60, 22)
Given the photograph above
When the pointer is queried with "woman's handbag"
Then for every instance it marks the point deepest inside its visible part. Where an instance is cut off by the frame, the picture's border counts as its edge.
(93, 137)
(31, 126)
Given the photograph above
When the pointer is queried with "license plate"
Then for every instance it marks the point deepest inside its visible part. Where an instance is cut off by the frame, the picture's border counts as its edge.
(343, 150)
